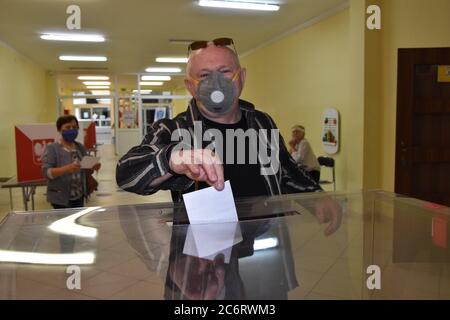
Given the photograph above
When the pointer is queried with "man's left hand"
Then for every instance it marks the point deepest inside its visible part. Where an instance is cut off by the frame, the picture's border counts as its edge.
(329, 211)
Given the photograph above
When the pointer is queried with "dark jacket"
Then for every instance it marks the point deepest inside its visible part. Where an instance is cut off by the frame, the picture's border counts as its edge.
(150, 160)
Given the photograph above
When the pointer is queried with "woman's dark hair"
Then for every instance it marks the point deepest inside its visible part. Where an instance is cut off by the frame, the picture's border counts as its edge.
(65, 119)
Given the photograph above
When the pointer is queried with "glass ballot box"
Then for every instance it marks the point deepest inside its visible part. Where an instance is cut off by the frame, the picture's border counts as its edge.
(372, 245)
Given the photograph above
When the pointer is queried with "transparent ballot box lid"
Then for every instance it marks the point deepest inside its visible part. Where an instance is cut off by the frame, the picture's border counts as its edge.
(363, 245)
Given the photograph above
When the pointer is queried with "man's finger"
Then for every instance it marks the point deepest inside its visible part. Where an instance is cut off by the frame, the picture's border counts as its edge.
(210, 172)
(194, 169)
(220, 183)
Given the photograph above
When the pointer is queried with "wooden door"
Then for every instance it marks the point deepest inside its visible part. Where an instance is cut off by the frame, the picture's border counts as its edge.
(423, 126)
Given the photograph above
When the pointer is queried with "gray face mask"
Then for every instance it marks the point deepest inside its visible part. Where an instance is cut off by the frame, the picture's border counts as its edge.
(217, 93)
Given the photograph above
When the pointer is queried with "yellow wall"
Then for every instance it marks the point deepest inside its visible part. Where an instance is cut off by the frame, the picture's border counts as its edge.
(26, 96)
(296, 78)
(406, 24)
(180, 105)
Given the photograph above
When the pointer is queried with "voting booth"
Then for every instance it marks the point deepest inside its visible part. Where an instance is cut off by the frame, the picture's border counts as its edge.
(31, 140)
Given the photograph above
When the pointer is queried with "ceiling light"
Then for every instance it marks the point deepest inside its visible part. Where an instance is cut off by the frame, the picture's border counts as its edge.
(171, 60)
(93, 78)
(144, 83)
(168, 70)
(97, 87)
(143, 91)
(96, 83)
(100, 92)
(239, 5)
(82, 58)
(73, 37)
(156, 78)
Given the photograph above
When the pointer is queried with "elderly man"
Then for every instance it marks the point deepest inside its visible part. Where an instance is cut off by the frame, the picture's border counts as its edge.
(217, 117)
(215, 79)
(302, 152)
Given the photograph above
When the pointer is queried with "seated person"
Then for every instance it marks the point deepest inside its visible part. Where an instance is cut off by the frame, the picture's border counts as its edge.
(303, 154)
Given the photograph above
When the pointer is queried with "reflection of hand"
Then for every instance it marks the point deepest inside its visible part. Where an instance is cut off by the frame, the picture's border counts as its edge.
(329, 210)
(197, 278)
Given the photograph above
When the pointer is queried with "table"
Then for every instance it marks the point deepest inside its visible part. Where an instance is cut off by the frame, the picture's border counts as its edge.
(385, 247)
(28, 190)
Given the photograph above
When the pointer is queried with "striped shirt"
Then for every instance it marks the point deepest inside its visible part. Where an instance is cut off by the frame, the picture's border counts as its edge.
(148, 161)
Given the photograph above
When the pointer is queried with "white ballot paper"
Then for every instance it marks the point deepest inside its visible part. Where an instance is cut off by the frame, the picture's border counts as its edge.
(214, 226)
(208, 240)
(88, 162)
(211, 206)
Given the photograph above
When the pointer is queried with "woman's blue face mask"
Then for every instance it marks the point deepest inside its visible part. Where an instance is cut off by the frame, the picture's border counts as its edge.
(69, 135)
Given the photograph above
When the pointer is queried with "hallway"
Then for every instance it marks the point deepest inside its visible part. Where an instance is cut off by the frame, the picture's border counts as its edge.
(108, 193)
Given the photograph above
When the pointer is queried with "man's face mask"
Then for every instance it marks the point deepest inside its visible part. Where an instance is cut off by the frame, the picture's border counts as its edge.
(217, 92)
(69, 135)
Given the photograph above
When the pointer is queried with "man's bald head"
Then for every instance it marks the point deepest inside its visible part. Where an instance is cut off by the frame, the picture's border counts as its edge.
(207, 58)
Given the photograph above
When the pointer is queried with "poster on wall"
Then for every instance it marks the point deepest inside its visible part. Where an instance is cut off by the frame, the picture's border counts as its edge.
(443, 73)
(31, 140)
(330, 135)
(160, 113)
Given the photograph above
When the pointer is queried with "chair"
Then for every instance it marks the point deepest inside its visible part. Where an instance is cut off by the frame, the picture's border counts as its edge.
(328, 163)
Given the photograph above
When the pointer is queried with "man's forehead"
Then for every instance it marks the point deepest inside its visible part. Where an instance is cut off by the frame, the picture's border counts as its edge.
(212, 57)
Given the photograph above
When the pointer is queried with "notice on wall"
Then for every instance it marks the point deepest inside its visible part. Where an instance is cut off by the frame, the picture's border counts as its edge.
(443, 73)
(129, 118)
(330, 135)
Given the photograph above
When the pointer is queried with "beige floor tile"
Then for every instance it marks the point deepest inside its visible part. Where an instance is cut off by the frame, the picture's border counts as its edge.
(141, 290)
(307, 281)
(105, 284)
(341, 287)
(321, 296)
(135, 268)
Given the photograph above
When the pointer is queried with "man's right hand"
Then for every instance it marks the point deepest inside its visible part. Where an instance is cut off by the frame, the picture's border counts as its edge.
(73, 167)
(199, 165)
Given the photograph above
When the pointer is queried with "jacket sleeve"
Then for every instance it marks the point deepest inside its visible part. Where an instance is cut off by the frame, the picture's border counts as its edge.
(49, 160)
(148, 161)
(293, 178)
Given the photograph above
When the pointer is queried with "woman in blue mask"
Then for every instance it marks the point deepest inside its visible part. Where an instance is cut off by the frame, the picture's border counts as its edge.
(61, 166)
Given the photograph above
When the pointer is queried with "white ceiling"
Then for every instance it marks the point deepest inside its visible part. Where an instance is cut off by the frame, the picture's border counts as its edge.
(137, 31)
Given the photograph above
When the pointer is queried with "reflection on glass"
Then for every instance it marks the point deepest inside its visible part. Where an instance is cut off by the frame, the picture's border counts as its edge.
(68, 226)
(47, 258)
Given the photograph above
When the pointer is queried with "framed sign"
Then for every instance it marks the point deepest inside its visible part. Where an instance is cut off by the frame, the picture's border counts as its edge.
(443, 73)
(330, 135)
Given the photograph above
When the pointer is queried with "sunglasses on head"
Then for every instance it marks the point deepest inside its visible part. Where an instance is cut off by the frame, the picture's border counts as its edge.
(220, 42)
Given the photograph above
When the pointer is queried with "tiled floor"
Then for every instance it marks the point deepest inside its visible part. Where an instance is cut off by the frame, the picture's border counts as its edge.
(108, 193)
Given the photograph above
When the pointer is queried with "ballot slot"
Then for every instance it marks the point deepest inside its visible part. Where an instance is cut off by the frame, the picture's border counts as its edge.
(247, 211)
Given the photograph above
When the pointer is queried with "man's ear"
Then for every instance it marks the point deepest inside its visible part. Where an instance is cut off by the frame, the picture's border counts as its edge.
(190, 87)
(243, 76)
